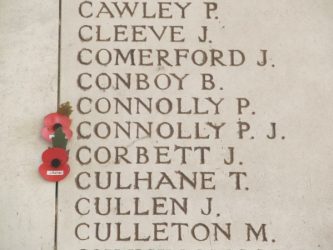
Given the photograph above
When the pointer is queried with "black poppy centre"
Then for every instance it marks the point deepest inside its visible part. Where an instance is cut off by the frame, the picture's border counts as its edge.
(55, 163)
(56, 126)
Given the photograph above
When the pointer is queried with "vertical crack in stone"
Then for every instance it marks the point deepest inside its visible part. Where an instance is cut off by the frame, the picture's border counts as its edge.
(58, 104)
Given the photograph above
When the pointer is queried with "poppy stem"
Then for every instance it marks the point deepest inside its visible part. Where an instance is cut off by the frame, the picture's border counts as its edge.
(56, 218)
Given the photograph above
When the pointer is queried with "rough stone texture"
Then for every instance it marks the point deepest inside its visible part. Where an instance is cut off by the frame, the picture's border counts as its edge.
(28, 91)
(291, 181)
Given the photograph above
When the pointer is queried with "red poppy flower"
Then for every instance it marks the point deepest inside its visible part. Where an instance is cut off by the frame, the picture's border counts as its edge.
(54, 121)
(54, 167)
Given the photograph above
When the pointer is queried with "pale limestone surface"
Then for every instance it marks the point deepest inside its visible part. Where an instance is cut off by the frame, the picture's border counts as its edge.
(28, 91)
(290, 182)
